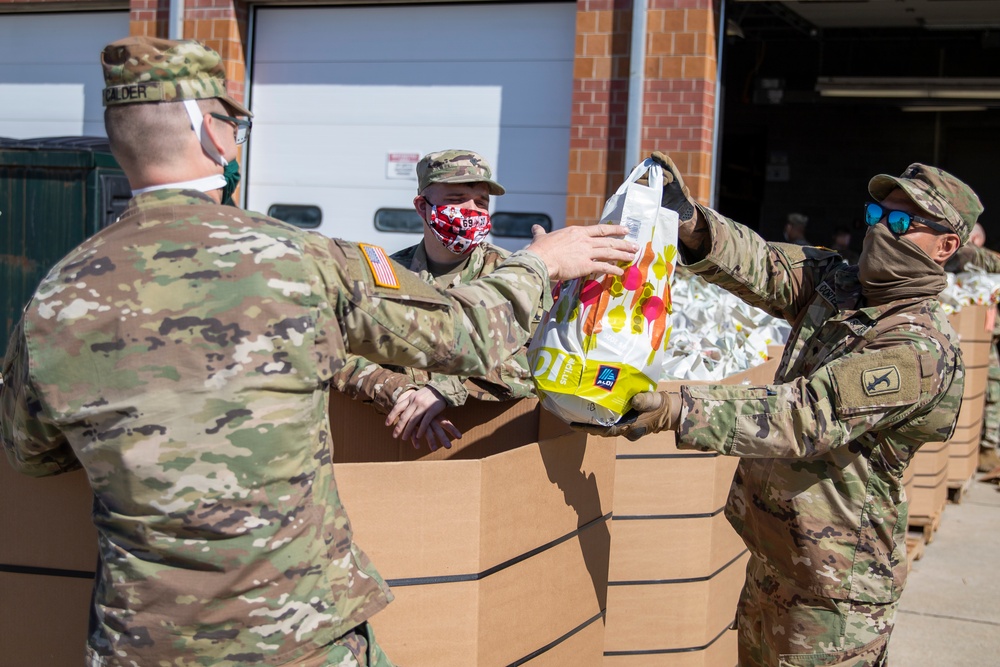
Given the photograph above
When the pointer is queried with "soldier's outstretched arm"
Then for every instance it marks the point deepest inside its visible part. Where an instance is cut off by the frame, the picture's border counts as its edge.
(909, 381)
(882, 386)
(776, 277)
(389, 315)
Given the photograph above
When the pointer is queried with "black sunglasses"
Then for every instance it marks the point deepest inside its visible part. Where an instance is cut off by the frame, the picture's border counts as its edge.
(243, 126)
(899, 221)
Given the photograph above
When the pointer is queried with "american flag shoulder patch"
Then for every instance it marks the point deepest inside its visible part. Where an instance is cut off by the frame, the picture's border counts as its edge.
(381, 266)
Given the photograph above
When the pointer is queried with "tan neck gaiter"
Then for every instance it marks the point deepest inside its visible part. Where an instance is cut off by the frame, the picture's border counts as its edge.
(893, 268)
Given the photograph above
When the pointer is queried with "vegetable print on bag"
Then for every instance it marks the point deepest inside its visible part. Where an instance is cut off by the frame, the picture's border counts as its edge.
(604, 339)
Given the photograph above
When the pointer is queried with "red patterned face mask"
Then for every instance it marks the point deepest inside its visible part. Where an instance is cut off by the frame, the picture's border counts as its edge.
(459, 230)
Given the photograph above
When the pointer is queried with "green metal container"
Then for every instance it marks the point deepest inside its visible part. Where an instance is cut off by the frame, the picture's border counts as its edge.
(54, 193)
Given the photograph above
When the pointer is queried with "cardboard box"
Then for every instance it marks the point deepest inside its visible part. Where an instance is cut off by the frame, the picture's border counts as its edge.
(929, 459)
(970, 416)
(673, 615)
(963, 447)
(975, 383)
(505, 543)
(43, 619)
(676, 566)
(974, 326)
(963, 457)
(360, 435)
(719, 653)
(45, 522)
(927, 490)
(686, 547)
(48, 555)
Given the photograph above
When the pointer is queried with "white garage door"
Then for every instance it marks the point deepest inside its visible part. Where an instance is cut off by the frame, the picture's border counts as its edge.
(50, 72)
(346, 98)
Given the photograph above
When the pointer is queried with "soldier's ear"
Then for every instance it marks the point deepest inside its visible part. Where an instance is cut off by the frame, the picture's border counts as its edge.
(947, 245)
(422, 205)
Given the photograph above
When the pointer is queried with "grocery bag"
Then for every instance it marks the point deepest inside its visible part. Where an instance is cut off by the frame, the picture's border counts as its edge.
(604, 339)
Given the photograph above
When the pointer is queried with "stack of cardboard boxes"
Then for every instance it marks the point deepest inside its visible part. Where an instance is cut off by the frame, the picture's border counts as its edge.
(676, 566)
(496, 549)
(938, 466)
(974, 325)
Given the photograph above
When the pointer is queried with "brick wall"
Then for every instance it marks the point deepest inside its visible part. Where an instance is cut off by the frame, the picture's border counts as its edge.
(600, 101)
(678, 100)
(221, 24)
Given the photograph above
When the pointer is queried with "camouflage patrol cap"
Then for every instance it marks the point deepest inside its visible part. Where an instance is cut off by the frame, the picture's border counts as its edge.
(149, 69)
(935, 191)
(455, 166)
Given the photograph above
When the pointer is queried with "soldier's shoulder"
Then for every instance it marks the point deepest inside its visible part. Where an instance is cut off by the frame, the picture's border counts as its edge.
(493, 255)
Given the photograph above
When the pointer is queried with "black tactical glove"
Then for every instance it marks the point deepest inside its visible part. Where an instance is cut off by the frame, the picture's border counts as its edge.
(652, 412)
(676, 195)
(692, 229)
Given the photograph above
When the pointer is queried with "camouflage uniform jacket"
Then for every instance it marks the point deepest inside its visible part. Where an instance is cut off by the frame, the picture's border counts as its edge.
(383, 384)
(182, 357)
(818, 494)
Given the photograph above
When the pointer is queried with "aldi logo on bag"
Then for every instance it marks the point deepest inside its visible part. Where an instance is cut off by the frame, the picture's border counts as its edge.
(606, 378)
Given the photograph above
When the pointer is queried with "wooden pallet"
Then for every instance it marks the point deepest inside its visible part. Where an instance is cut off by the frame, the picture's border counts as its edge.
(914, 549)
(957, 490)
(927, 525)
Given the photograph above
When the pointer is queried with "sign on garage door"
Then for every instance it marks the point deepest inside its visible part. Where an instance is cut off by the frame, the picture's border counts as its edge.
(344, 97)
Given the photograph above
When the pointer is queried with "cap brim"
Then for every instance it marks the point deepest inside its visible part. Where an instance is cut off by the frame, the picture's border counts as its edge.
(239, 108)
(880, 186)
(495, 188)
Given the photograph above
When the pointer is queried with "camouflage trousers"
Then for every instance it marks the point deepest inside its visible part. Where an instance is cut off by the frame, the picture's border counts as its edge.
(778, 626)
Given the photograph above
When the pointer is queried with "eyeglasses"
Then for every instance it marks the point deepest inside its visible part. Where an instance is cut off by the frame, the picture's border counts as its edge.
(899, 221)
(243, 126)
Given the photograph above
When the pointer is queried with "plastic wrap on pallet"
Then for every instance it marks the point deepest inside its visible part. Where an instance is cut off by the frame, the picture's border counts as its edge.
(715, 334)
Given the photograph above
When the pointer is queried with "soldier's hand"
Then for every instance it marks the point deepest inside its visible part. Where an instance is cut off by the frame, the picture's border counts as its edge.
(415, 418)
(577, 251)
(676, 195)
(652, 412)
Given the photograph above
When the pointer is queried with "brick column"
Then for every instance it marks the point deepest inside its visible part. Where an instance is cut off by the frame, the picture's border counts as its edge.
(600, 96)
(679, 101)
(220, 24)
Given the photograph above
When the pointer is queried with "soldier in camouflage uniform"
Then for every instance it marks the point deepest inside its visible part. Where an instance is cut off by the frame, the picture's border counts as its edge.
(976, 255)
(182, 358)
(453, 196)
(872, 370)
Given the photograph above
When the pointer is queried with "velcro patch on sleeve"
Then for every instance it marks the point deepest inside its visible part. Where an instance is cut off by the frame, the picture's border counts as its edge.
(876, 379)
(381, 266)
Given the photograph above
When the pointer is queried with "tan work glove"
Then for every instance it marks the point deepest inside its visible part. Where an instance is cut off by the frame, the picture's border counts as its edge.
(652, 412)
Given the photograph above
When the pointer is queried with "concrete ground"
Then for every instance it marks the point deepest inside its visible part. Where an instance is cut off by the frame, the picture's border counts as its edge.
(949, 613)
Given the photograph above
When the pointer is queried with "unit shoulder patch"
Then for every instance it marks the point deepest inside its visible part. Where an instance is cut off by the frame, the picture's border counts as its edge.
(381, 266)
(877, 379)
